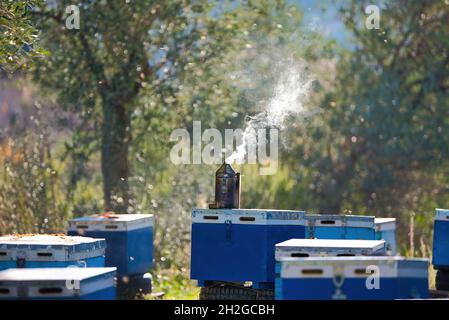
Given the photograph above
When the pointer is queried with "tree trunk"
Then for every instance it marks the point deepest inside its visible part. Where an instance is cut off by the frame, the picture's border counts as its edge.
(115, 164)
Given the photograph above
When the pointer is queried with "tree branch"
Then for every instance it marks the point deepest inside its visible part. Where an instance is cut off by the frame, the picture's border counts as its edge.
(96, 67)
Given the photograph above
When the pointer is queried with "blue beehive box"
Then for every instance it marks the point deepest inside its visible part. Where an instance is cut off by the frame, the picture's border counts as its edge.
(304, 248)
(440, 256)
(386, 230)
(352, 278)
(129, 239)
(237, 245)
(58, 284)
(323, 226)
(50, 251)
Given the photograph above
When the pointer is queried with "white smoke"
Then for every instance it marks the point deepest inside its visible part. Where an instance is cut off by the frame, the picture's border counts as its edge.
(288, 100)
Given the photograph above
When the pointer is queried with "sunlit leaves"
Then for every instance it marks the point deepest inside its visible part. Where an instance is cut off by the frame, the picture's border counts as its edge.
(18, 35)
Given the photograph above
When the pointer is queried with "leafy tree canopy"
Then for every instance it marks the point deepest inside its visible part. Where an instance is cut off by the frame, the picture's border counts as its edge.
(18, 36)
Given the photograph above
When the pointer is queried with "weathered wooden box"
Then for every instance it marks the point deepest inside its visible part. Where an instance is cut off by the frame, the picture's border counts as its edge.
(50, 251)
(58, 284)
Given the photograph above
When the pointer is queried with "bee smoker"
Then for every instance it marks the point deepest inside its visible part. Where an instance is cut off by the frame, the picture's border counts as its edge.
(227, 188)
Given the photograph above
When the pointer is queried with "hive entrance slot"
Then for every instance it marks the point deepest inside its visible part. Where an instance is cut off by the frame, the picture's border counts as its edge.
(299, 255)
(44, 254)
(327, 221)
(312, 272)
(50, 290)
(210, 217)
(4, 290)
(248, 219)
(345, 255)
(360, 272)
(111, 227)
(2, 254)
(82, 227)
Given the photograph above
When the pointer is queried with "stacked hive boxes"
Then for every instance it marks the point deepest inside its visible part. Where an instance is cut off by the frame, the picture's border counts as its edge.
(329, 269)
(305, 248)
(129, 239)
(57, 252)
(355, 278)
(231, 247)
(124, 243)
(237, 245)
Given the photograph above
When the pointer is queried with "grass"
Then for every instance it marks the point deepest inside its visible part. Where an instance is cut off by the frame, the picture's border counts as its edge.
(174, 284)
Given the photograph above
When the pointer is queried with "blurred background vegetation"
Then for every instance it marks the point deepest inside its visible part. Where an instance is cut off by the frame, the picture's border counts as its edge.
(86, 115)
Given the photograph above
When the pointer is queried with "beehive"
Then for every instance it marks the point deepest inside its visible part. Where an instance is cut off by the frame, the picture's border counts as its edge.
(352, 278)
(50, 251)
(237, 245)
(303, 248)
(129, 239)
(58, 283)
(324, 226)
(440, 256)
(386, 230)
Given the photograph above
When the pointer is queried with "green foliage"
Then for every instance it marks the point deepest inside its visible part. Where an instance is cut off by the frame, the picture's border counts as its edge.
(175, 284)
(18, 36)
(379, 146)
(32, 198)
(140, 67)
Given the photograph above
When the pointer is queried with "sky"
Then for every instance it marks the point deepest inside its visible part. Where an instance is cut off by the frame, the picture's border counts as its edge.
(324, 14)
